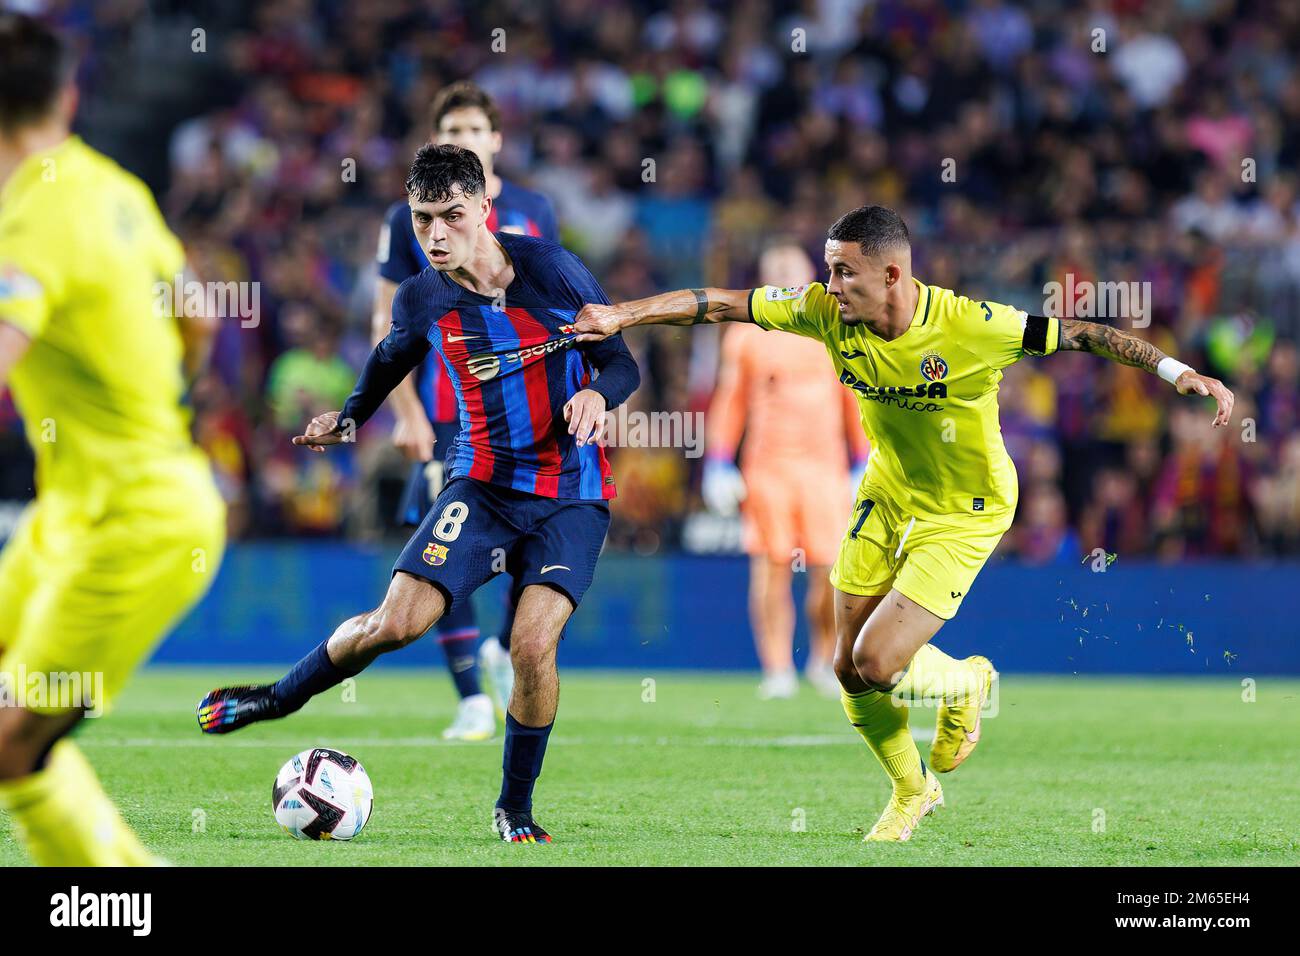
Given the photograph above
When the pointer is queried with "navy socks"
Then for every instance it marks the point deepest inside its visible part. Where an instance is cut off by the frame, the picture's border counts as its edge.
(461, 648)
(522, 764)
(310, 676)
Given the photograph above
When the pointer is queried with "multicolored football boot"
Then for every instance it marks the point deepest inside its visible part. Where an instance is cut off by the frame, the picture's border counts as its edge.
(229, 708)
(514, 826)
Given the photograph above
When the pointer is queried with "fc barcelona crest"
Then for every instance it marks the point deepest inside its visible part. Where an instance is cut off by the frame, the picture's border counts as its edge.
(435, 554)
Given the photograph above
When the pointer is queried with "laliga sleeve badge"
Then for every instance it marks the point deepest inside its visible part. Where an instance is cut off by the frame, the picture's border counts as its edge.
(435, 554)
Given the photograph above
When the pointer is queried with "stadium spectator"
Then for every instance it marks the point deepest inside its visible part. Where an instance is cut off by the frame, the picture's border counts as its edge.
(1122, 164)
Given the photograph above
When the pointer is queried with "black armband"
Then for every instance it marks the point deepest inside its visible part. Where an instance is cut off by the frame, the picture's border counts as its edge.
(1036, 329)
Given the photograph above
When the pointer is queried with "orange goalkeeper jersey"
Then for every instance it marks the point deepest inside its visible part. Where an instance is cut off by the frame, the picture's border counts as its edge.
(782, 394)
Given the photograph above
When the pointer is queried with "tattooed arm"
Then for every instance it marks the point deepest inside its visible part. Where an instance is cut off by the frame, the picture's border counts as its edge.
(683, 307)
(1128, 349)
(1109, 343)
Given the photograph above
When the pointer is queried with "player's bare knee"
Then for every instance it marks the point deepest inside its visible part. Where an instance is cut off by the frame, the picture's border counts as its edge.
(401, 621)
(525, 655)
(846, 671)
(383, 632)
(530, 655)
(875, 668)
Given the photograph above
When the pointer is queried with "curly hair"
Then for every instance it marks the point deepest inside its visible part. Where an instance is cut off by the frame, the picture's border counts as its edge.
(440, 172)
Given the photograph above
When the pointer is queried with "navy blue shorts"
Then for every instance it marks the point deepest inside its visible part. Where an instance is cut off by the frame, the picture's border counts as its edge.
(475, 531)
(426, 478)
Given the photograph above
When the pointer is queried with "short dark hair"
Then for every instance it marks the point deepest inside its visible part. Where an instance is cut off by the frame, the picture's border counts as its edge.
(439, 172)
(35, 65)
(464, 95)
(875, 229)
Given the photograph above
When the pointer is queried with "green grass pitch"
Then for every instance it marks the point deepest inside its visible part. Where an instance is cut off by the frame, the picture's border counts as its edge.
(693, 770)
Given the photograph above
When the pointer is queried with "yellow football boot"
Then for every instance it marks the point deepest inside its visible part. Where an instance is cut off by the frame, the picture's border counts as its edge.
(902, 816)
(957, 729)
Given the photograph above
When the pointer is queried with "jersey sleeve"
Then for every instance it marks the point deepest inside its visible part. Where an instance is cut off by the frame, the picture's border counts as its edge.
(580, 286)
(804, 309)
(396, 254)
(1002, 334)
(31, 282)
(168, 254)
(400, 351)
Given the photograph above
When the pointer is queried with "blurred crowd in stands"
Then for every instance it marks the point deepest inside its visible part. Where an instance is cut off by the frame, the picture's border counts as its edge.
(1151, 142)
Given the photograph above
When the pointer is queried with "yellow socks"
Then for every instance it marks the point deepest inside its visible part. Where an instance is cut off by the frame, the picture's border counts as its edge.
(935, 676)
(882, 722)
(64, 818)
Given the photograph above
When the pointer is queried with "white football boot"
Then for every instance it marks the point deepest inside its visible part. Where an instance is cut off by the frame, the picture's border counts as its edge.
(494, 660)
(474, 720)
(822, 677)
(779, 686)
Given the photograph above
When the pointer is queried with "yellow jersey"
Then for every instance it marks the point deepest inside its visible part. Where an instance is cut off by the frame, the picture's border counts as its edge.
(82, 249)
(927, 399)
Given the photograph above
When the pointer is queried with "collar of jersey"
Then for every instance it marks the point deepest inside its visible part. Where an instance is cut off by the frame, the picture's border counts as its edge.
(921, 313)
(29, 170)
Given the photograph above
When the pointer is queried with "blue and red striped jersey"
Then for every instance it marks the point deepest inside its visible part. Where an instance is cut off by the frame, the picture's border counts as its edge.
(512, 366)
(516, 210)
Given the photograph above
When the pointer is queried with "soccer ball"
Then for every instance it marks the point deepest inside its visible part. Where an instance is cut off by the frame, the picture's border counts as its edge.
(322, 794)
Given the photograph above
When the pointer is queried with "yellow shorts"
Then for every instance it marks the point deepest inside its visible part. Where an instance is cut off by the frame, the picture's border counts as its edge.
(932, 559)
(83, 602)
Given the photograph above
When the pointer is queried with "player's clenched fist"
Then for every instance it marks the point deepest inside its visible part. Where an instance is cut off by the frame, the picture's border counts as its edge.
(597, 322)
(1190, 383)
(323, 430)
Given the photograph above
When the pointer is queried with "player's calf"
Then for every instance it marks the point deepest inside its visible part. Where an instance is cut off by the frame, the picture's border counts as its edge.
(410, 608)
(535, 678)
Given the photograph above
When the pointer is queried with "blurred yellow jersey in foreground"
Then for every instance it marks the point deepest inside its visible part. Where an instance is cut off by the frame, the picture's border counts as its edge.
(82, 246)
(127, 529)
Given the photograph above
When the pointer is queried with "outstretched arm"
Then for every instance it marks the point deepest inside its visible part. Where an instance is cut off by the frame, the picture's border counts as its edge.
(1127, 349)
(393, 358)
(386, 367)
(683, 307)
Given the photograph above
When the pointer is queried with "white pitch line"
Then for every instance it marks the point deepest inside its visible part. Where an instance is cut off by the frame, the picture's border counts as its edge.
(923, 735)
